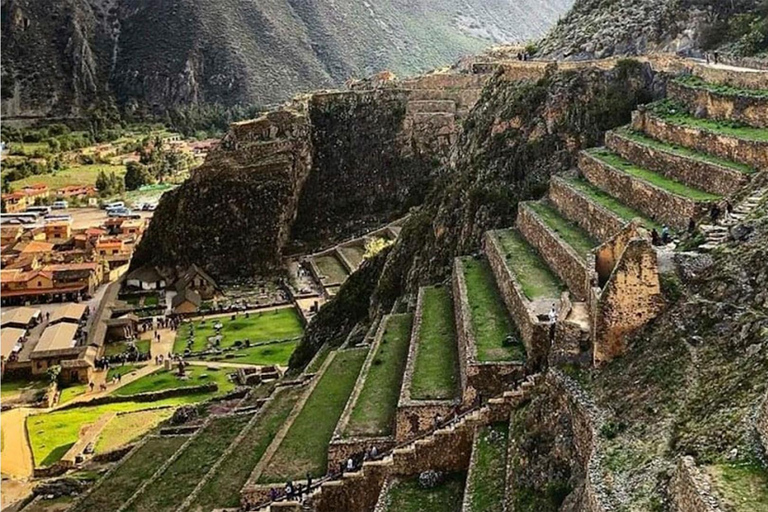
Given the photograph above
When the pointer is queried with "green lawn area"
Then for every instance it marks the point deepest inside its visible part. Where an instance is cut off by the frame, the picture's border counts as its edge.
(278, 324)
(488, 475)
(170, 489)
(51, 434)
(275, 353)
(331, 269)
(12, 389)
(640, 138)
(374, 411)
(305, 446)
(68, 393)
(610, 203)
(223, 489)
(725, 89)
(151, 300)
(409, 496)
(436, 369)
(113, 349)
(319, 358)
(677, 114)
(127, 428)
(74, 175)
(167, 379)
(661, 181)
(744, 487)
(535, 277)
(491, 323)
(129, 476)
(354, 254)
(568, 230)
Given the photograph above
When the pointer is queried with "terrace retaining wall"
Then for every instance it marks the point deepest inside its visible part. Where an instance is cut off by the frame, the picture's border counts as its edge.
(748, 152)
(700, 174)
(574, 270)
(653, 201)
(730, 107)
(690, 490)
(746, 79)
(596, 220)
(761, 424)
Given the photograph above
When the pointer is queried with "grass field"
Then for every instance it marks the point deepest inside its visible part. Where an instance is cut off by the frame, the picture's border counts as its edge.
(374, 411)
(569, 231)
(131, 474)
(305, 446)
(167, 379)
(610, 203)
(127, 428)
(319, 358)
(12, 389)
(409, 496)
(223, 489)
(436, 369)
(491, 323)
(74, 175)
(725, 89)
(659, 180)
(113, 349)
(278, 324)
(744, 487)
(354, 254)
(51, 434)
(676, 114)
(488, 476)
(331, 269)
(535, 277)
(274, 353)
(170, 488)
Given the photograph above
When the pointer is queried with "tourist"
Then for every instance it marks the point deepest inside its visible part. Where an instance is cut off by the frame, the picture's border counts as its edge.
(299, 492)
(716, 57)
(438, 420)
(706, 56)
(728, 210)
(665, 239)
(350, 464)
(272, 494)
(289, 491)
(309, 481)
(655, 239)
(691, 226)
(374, 452)
(714, 213)
(553, 314)
(119, 377)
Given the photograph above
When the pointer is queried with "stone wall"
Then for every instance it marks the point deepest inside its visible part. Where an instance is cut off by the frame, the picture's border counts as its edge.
(748, 152)
(534, 332)
(341, 450)
(690, 490)
(596, 220)
(761, 424)
(464, 335)
(699, 174)
(745, 109)
(631, 297)
(561, 258)
(746, 79)
(657, 203)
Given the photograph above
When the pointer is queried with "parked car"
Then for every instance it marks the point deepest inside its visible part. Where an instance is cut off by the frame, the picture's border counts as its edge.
(149, 207)
(119, 212)
(60, 205)
(114, 205)
(45, 210)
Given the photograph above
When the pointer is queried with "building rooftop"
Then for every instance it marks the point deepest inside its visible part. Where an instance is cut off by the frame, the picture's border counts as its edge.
(69, 312)
(63, 267)
(19, 316)
(36, 246)
(9, 339)
(57, 337)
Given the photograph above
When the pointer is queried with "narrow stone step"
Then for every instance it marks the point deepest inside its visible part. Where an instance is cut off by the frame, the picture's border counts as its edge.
(723, 102)
(660, 198)
(697, 170)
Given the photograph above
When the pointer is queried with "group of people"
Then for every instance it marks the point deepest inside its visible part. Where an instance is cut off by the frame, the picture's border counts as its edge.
(715, 57)
(292, 492)
(523, 56)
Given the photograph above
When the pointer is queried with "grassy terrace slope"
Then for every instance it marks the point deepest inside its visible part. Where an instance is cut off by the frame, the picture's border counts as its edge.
(305, 446)
(640, 138)
(675, 113)
(569, 231)
(491, 323)
(696, 82)
(128, 477)
(436, 370)
(488, 475)
(374, 410)
(167, 379)
(223, 488)
(744, 487)
(409, 496)
(659, 180)
(534, 275)
(331, 269)
(170, 489)
(610, 203)
(353, 253)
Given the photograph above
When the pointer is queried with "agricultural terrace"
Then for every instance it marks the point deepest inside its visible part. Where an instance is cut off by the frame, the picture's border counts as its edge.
(436, 369)
(410, 496)
(374, 411)
(305, 446)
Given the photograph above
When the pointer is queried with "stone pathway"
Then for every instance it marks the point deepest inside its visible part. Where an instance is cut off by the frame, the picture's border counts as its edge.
(16, 453)
(88, 434)
(716, 234)
(218, 364)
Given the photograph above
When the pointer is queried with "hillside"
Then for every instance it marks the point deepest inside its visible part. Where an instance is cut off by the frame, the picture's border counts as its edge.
(60, 57)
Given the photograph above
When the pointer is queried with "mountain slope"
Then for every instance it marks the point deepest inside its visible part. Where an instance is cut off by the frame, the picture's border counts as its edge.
(60, 56)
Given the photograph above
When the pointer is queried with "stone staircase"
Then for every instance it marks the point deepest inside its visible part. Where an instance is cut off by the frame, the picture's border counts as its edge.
(718, 232)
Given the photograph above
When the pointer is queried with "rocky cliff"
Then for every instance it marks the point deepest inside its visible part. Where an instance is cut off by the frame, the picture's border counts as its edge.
(60, 57)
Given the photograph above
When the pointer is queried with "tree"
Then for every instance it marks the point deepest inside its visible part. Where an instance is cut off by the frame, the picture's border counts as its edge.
(53, 373)
(136, 175)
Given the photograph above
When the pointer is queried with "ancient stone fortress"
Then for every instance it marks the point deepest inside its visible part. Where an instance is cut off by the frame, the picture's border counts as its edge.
(567, 285)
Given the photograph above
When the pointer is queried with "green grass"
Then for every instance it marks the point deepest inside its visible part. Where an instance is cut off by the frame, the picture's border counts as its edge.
(569, 231)
(374, 411)
(332, 270)
(51, 434)
(151, 300)
(609, 202)
(491, 323)
(11, 389)
(279, 324)
(121, 484)
(74, 175)
(127, 428)
(275, 353)
(696, 82)
(68, 393)
(167, 379)
(223, 489)
(409, 496)
(305, 446)
(173, 486)
(639, 138)
(436, 369)
(677, 114)
(488, 476)
(744, 487)
(113, 349)
(354, 254)
(319, 359)
(534, 275)
(659, 180)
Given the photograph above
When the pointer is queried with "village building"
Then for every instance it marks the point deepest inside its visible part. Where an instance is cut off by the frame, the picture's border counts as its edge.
(37, 247)
(70, 313)
(86, 275)
(21, 318)
(123, 328)
(58, 343)
(36, 193)
(14, 202)
(11, 341)
(145, 278)
(186, 301)
(198, 280)
(110, 246)
(10, 234)
(58, 232)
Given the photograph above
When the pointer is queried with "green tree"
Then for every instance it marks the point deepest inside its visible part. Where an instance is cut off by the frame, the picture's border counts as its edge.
(136, 175)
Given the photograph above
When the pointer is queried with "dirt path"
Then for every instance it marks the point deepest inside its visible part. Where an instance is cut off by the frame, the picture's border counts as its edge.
(16, 453)
(150, 367)
(162, 347)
